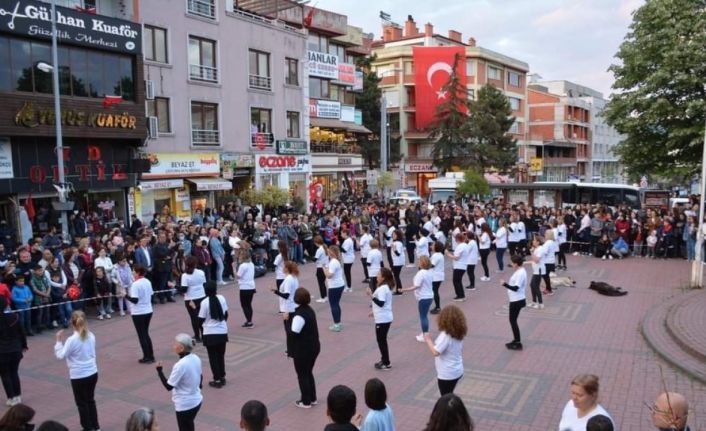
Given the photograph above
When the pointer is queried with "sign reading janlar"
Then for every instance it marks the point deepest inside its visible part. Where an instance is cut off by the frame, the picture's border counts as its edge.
(29, 116)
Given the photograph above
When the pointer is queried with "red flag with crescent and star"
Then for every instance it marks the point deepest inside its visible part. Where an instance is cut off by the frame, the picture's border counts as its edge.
(433, 66)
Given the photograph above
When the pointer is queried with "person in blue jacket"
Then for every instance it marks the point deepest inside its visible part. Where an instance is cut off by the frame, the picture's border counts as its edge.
(620, 248)
(22, 301)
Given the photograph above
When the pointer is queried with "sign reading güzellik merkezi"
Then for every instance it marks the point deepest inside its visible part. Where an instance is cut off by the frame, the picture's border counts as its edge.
(33, 18)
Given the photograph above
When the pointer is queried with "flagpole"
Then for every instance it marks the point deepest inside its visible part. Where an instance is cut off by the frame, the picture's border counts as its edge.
(57, 121)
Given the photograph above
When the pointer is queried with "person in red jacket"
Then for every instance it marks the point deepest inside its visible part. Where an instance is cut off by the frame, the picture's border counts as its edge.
(5, 291)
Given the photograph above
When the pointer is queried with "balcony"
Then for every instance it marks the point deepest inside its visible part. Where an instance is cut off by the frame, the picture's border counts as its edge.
(202, 8)
(198, 72)
(334, 148)
(260, 19)
(205, 137)
(262, 140)
(260, 82)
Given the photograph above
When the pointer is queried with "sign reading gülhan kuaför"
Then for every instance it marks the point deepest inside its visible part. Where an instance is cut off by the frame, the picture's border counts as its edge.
(33, 18)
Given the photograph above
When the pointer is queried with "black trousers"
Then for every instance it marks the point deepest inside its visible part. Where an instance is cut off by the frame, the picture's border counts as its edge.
(389, 256)
(364, 261)
(411, 246)
(515, 308)
(512, 247)
(84, 395)
(471, 271)
(216, 359)
(162, 278)
(304, 366)
(246, 303)
(194, 316)
(381, 330)
(563, 249)
(549, 267)
(447, 386)
(458, 283)
(289, 338)
(321, 279)
(435, 286)
(9, 372)
(396, 272)
(185, 419)
(142, 326)
(484, 252)
(535, 281)
(347, 273)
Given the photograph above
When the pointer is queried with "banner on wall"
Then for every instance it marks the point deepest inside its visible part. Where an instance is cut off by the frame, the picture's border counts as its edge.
(324, 109)
(278, 163)
(433, 66)
(181, 165)
(5, 158)
(322, 64)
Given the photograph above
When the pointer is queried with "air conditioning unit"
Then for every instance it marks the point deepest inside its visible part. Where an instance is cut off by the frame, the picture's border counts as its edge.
(153, 127)
(149, 89)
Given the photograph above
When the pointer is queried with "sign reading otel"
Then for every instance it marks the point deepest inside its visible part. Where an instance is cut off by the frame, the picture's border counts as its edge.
(33, 18)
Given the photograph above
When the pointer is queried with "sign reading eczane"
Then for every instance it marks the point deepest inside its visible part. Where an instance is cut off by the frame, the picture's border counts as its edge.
(33, 18)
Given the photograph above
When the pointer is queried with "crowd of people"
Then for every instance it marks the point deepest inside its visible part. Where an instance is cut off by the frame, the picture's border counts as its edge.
(54, 282)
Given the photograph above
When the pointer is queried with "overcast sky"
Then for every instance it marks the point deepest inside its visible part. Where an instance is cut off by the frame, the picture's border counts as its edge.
(560, 39)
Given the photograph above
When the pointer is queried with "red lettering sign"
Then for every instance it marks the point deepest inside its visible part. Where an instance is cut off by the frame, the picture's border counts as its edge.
(94, 153)
(37, 174)
(82, 171)
(100, 169)
(278, 162)
(119, 172)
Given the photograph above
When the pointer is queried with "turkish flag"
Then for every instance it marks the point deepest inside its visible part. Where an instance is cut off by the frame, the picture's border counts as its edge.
(433, 66)
(29, 207)
(109, 101)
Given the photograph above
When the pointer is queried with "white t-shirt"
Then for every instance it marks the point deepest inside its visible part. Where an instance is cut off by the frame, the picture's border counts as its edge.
(348, 249)
(560, 234)
(518, 231)
(397, 253)
(484, 241)
(571, 422)
(519, 279)
(211, 326)
(479, 223)
(461, 254)
(289, 285)
(538, 267)
(473, 253)
(455, 232)
(80, 355)
(422, 282)
(336, 280)
(422, 248)
(383, 314)
(279, 266)
(186, 379)
(365, 244)
(501, 237)
(374, 262)
(142, 290)
(437, 263)
(388, 236)
(449, 363)
(550, 248)
(246, 276)
(321, 257)
(194, 284)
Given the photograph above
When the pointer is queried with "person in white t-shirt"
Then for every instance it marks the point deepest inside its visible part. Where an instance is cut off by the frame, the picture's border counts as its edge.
(459, 256)
(374, 262)
(583, 404)
(140, 296)
(280, 259)
(516, 287)
(184, 382)
(246, 285)
(500, 242)
(213, 314)
(473, 258)
(485, 239)
(537, 272)
(193, 280)
(551, 249)
(334, 274)
(398, 259)
(447, 349)
(382, 314)
(364, 245)
(437, 269)
(348, 255)
(424, 293)
(422, 243)
(321, 257)
(560, 236)
(286, 300)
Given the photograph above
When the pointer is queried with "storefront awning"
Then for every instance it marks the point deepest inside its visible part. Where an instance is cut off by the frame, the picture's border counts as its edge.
(208, 184)
(330, 123)
(161, 184)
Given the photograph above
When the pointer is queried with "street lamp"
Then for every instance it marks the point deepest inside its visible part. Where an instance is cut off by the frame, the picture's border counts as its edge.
(697, 265)
(383, 122)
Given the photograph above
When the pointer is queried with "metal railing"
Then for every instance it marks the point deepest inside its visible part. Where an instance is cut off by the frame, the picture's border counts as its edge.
(203, 8)
(203, 73)
(264, 20)
(260, 82)
(327, 147)
(205, 137)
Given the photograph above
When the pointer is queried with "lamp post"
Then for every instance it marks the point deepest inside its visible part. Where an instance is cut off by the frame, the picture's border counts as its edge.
(698, 263)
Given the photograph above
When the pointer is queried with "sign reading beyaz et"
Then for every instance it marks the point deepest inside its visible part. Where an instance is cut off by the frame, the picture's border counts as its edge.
(175, 165)
(33, 18)
(322, 64)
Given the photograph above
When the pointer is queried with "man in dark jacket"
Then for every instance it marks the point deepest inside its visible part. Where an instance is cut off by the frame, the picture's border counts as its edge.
(81, 225)
(162, 253)
(135, 225)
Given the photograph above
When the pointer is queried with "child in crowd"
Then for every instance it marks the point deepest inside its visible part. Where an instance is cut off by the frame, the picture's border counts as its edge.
(122, 279)
(652, 244)
(21, 301)
(42, 296)
(104, 289)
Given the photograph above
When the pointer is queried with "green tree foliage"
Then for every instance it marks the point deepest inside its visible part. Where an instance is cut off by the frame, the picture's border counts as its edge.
(385, 180)
(474, 183)
(660, 100)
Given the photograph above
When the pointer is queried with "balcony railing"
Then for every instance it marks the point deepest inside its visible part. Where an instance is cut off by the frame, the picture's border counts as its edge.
(203, 8)
(327, 147)
(260, 82)
(203, 73)
(206, 137)
(264, 20)
(262, 140)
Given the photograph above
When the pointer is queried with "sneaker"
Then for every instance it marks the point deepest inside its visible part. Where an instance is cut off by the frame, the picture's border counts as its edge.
(514, 345)
(108, 316)
(321, 300)
(459, 299)
(122, 313)
(604, 257)
(420, 338)
(409, 265)
(610, 256)
(315, 403)
(540, 306)
(381, 366)
(532, 305)
(54, 324)
(16, 400)
(100, 317)
(336, 327)
(11, 400)
(471, 288)
(248, 325)
(435, 311)
(222, 283)
(301, 405)
(548, 292)
(215, 384)
(485, 278)
(576, 253)
(146, 361)
(348, 290)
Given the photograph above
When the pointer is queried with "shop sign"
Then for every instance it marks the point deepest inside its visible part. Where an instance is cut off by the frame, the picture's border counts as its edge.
(29, 116)
(182, 195)
(235, 160)
(166, 165)
(348, 113)
(324, 109)
(5, 158)
(292, 147)
(419, 167)
(536, 166)
(358, 83)
(345, 161)
(161, 184)
(271, 164)
(322, 64)
(346, 74)
(207, 186)
(358, 117)
(33, 18)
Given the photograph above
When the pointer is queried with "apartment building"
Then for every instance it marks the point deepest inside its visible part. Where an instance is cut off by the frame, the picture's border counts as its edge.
(395, 64)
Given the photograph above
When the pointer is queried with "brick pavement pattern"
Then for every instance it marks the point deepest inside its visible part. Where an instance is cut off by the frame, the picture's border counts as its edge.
(579, 331)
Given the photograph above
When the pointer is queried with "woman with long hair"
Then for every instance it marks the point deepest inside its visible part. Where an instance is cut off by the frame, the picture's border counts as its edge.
(305, 347)
(485, 240)
(281, 258)
(79, 351)
(537, 272)
(213, 315)
(286, 300)
(397, 259)
(192, 282)
(142, 419)
(17, 418)
(336, 284)
(424, 293)
(447, 349)
(141, 297)
(348, 249)
(382, 313)
(459, 256)
(12, 345)
(246, 284)
(321, 258)
(449, 414)
(516, 296)
(472, 261)
(437, 268)
(500, 243)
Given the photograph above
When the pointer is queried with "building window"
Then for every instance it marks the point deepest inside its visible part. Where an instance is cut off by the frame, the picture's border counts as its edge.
(348, 97)
(515, 128)
(159, 107)
(204, 124)
(82, 73)
(408, 68)
(514, 103)
(292, 124)
(319, 88)
(495, 73)
(471, 94)
(202, 59)
(260, 70)
(291, 71)
(155, 40)
(316, 42)
(513, 78)
(260, 120)
(470, 68)
(339, 51)
(336, 93)
(202, 8)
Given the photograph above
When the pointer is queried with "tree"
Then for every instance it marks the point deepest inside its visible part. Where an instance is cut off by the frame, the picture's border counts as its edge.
(660, 100)
(490, 119)
(385, 180)
(474, 183)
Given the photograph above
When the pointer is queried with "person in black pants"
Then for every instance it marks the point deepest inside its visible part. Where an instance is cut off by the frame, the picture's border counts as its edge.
(516, 296)
(213, 314)
(12, 343)
(381, 305)
(186, 378)
(306, 347)
(141, 296)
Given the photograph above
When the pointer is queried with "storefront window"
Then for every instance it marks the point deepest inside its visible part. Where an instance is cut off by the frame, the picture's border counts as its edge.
(20, 53)
(270, 180)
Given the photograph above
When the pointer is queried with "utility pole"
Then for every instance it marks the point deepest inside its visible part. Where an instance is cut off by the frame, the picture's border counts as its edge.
(63, 190)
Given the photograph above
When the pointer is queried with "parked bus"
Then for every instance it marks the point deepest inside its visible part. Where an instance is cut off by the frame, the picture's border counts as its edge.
(563, 194)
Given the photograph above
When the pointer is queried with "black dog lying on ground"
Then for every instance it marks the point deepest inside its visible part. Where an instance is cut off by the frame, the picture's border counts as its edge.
(606, 289)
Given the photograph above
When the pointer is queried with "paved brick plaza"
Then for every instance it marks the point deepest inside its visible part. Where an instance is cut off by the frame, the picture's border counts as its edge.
(579, 331)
